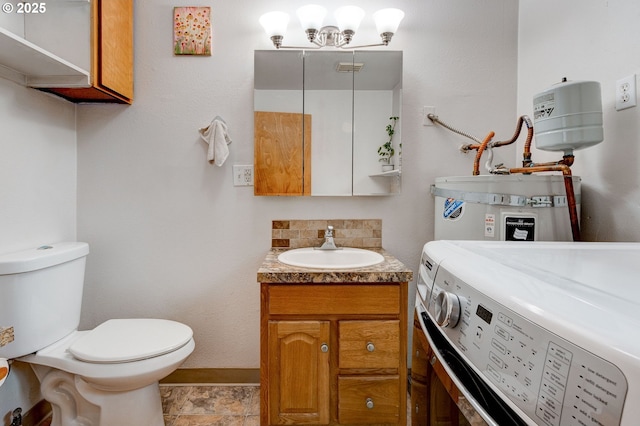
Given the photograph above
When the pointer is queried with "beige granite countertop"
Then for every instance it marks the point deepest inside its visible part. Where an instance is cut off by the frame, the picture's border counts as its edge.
(390, 270)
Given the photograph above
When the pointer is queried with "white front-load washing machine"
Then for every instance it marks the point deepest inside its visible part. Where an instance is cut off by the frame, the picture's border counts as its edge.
(540, 333)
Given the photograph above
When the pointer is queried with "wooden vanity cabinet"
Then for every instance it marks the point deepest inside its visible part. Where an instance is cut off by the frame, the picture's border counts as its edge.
(333, 354)
(111, 55)
(433, 393)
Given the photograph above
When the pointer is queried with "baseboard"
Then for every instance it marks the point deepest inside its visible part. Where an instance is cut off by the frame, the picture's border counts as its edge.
(213, 375)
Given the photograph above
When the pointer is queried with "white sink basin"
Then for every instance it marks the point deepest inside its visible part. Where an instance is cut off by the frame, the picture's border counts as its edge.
(344, 258)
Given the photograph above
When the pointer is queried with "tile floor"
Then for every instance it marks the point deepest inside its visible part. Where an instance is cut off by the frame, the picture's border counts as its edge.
(219, 405)
(205, 405)
(200, 405)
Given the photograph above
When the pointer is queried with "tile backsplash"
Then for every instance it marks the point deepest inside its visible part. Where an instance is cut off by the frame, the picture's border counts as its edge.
(361, 233)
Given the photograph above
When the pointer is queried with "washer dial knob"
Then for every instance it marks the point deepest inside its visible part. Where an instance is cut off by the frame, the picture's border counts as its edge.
(447, 309)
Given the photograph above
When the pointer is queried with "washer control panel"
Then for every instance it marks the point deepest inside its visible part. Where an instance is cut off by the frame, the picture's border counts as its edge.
(553, 381)
(426, 274)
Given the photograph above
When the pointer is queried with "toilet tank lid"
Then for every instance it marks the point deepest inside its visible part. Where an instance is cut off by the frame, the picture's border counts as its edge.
(41, 257)
(128, 340)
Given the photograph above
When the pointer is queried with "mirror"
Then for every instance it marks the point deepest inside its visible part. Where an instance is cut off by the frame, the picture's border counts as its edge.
(320, 118)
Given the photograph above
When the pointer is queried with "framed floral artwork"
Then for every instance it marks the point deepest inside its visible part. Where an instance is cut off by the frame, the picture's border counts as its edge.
(192, 31)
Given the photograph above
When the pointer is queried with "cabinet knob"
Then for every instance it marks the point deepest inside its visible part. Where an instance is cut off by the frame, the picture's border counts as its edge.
(371, 347)
(369, 403)
(324, 348)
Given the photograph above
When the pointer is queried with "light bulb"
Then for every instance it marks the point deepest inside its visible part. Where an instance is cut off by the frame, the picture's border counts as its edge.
(388, 20)
(349, 18)
(311, 16)
(275, 23)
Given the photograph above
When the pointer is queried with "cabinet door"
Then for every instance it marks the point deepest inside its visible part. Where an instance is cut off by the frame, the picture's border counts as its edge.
(419, 404)
(419, 378)
(421, 356)
(299, 372)
(433, 393)
(282, 164)
(111, 56)
(114, 70)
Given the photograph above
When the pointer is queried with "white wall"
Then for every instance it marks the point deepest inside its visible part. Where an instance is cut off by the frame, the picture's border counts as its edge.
(589, 40)
(37, 168)
(171, 237)
(37, 193)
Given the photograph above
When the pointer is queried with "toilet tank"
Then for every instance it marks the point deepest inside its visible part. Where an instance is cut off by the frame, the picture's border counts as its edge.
(40, 296)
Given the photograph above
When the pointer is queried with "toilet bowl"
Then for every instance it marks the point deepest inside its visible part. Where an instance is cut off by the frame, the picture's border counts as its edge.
(102, 377)
(93, 375)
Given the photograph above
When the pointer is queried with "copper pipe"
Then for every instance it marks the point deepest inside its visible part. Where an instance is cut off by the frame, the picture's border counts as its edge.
(568, 186)
(538, 169)
(526, 155)
(476, 162)
(549, 164)
(521, 120)
(573, 210)
(526, 160)
(567, 160)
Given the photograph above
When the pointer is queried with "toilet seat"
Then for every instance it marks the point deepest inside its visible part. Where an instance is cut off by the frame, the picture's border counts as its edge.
(128, 340)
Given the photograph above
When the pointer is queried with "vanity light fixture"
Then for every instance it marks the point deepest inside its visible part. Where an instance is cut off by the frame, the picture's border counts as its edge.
(348, 19)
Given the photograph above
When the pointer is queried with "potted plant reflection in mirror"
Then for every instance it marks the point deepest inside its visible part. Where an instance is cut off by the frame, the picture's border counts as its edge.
(386, 151)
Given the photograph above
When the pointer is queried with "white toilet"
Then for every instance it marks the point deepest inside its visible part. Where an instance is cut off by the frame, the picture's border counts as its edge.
(102, 377)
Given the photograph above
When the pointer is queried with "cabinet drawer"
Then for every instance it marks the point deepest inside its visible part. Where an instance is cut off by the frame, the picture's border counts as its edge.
(370, 399)
(369, 344)
(331, 299)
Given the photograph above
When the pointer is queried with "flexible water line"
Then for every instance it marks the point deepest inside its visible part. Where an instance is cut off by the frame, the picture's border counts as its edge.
(435, 119)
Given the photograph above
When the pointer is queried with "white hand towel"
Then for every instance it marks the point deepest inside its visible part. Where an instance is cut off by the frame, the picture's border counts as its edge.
(216, 135)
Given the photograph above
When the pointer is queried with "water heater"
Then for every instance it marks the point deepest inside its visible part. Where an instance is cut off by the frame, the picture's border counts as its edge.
(503, 208)
(568, 116)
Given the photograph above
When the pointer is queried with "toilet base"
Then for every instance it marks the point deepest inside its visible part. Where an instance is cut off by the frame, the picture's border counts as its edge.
(76, 402)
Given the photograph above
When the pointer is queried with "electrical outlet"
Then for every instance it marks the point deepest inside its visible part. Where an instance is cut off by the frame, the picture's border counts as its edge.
(425, 113)
(626, 92)
(242, 175)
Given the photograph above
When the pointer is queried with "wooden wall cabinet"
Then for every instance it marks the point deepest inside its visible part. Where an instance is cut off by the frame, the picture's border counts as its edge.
(111, 76)
(333, 354)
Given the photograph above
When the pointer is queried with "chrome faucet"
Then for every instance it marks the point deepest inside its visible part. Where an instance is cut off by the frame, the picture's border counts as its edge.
(328, 244)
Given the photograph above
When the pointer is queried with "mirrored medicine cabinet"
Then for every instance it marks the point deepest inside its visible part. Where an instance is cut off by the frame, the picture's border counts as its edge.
(320, 118)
